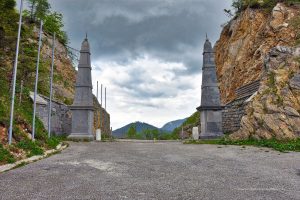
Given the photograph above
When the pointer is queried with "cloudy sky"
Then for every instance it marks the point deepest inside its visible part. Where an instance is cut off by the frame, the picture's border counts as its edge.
(148, 53)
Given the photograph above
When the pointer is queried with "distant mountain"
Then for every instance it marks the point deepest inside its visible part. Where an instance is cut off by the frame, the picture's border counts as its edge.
(170, 126)
(140, 127)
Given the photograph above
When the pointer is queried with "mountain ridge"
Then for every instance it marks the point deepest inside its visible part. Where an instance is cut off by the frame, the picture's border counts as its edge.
(141, 126)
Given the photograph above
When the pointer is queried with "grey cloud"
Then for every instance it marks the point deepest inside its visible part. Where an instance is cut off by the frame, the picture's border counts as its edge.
(140, 82)
(123, 30)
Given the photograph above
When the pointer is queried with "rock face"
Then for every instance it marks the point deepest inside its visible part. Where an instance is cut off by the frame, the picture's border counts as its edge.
(275, 111)
(245, 41)
(64, 72)
(261, 46)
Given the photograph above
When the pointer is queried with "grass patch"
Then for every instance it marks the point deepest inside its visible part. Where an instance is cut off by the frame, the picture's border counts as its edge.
(282, 146)
(32, 148)
(52, 142)
(6, 156)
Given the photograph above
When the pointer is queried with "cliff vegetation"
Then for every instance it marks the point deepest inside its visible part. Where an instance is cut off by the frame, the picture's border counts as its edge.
(64, 75)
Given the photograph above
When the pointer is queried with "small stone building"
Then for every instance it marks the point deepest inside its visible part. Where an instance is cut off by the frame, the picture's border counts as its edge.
(61, 121)
(61, 116)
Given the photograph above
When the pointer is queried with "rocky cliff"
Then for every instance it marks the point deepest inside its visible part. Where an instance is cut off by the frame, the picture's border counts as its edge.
(64, 72)
(245, 41)
(261, 45)
(274, 111)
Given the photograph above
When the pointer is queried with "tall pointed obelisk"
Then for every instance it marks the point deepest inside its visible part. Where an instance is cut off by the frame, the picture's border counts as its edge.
(83, 107)
(210, 109)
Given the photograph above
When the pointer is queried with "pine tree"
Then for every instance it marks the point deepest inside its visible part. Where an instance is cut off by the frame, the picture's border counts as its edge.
(38, 9)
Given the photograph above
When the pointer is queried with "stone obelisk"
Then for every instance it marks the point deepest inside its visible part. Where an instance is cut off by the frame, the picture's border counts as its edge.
(83, 108)
(210, 109)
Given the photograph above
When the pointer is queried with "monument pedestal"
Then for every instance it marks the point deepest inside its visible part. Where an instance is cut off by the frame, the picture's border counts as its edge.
(211, 123)
(82, 123)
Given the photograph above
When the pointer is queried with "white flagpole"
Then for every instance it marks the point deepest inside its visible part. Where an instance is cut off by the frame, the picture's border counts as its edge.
(36, 80)
(51, 88)
(101, 95)
(105, 98)
(15, 77)
(97, 91)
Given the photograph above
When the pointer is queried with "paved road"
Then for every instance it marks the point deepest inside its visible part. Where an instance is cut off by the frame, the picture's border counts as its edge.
(130, 170)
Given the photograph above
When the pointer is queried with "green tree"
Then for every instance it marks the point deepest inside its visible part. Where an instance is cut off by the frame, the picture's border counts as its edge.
(32, 6)
(38, 9)
(54, 23)
(7, 4)
(42, 9)
(131, 133)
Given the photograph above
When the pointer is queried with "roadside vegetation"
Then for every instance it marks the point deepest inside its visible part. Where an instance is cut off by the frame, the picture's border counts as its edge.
(282, 146)
(5, 156)
(150, 134)
(187, 126)
(40, 9)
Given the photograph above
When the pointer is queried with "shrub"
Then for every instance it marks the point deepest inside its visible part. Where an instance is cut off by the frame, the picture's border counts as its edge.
(240, 5)
(53, 142)
(5, 156)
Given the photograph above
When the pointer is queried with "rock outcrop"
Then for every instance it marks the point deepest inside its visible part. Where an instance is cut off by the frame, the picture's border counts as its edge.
(64, 72)
(246, 40)
(257, 45)
(275, 110)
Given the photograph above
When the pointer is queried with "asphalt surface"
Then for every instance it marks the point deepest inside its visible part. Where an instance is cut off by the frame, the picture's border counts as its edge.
(131, 170)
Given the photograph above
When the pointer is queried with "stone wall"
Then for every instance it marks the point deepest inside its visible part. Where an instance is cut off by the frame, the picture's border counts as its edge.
(101, 119)
(235, 110)
(61, 119)
(232, 115)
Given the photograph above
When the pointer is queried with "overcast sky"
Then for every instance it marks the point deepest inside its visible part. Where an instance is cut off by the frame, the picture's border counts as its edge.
(148, 53)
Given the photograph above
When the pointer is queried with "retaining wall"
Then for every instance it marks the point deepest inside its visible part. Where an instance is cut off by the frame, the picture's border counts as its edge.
(235, 110)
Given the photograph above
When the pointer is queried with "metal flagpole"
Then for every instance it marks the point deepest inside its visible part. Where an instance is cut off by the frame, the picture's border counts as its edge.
(97, 91)
(36, 80)
(15, 77)
(101, 95)
(105, 98)
(51, 89)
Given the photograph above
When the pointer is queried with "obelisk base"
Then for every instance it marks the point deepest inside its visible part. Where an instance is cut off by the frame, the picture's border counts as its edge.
(82, 124)
(81, 137)
(211, 123)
